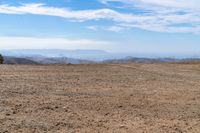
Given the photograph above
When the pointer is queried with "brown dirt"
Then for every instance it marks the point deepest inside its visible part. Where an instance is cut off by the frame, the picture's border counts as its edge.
(113, 98)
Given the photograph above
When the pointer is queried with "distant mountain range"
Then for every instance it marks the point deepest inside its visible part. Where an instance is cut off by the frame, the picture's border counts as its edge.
(141, 60)
(54, 56)
(64, 60)
(58, 60)
(152, 60)
(43, 60)
(95, 55)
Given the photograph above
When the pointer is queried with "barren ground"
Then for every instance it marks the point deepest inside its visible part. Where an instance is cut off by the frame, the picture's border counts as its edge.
(113, 98)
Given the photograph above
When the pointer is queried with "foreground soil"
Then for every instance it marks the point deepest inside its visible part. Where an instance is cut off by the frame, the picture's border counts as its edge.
(113, 98)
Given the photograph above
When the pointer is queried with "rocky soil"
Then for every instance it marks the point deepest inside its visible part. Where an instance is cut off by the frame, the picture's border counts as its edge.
(100, 98)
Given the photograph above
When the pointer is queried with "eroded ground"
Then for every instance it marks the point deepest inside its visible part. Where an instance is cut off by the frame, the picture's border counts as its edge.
(113, 98)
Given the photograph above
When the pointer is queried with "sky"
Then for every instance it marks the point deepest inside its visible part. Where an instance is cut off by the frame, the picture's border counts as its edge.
(156, 27)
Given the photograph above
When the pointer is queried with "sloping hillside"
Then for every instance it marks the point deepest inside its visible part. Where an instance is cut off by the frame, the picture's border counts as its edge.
(16, 60)
(58, 60)
(43, 60)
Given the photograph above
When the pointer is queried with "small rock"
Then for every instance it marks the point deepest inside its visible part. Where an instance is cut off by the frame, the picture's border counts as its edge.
(120, 106)
(14, 112)
(122, 126)
(7, 114)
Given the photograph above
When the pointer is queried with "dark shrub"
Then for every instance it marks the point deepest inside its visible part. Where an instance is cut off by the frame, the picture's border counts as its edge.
(1, 59)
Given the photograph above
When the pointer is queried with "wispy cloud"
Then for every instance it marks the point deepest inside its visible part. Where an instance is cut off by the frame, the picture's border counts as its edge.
(92, 27)
(184, 4)
(115, 28)
(82, 15)
(162, 16)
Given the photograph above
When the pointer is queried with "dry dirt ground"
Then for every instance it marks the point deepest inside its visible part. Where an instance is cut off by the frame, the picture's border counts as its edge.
(104, 98)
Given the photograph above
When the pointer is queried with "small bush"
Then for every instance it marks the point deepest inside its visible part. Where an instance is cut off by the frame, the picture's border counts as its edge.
(1, 59)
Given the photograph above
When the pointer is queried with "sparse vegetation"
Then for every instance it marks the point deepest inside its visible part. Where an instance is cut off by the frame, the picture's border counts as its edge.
(1, 59)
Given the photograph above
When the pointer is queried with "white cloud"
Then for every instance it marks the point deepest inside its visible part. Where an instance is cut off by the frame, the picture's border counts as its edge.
(115, 28)
(82, 15)
(186, 4)
(92, 27)
(51, 43)
(163, 16)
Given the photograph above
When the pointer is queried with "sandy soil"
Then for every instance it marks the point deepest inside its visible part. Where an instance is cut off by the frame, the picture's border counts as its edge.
(113, 98)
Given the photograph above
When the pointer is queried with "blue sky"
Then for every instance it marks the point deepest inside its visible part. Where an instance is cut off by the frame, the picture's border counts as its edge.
(167, 27)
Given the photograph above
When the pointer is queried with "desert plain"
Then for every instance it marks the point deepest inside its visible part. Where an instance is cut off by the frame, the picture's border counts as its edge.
(100, 98)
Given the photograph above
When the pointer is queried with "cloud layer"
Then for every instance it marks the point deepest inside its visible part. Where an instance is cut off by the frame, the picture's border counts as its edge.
(160, 16)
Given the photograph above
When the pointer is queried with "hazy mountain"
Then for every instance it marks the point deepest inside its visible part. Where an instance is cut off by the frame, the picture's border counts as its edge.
(57, 56)
(43, 60)
(58, 60)
(142, 60)
(77, 54)
(64, 60)
(16, 60)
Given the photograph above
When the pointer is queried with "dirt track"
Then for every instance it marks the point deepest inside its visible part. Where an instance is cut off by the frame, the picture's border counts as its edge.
(132, 98)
